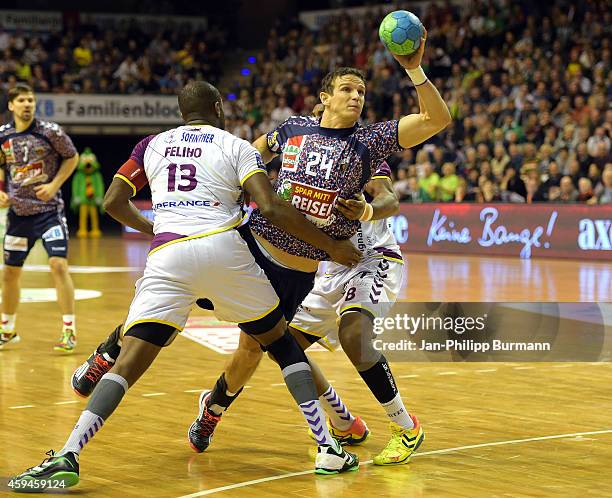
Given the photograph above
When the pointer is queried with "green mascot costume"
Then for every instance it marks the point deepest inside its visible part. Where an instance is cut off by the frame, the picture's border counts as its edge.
(88, 193)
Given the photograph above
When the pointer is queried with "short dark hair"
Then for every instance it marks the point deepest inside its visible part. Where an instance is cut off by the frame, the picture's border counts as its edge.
(19, 89)
(327, 85)
(198, 97)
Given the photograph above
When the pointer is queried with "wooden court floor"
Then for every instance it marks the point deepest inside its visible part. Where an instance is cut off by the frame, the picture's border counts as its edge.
(492, 429)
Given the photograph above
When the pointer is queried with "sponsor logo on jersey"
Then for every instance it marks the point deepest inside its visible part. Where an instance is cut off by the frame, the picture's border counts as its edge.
(187, 203)
(206, 138)
(315, 203)
(291, 152)
(29, 174)
(7, 150)
(285, 191)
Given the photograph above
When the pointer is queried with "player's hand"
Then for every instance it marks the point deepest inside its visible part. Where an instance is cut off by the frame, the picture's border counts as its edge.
(412, 61)
(5, 200)
(352, 208)
(345, 253)
(45, 192)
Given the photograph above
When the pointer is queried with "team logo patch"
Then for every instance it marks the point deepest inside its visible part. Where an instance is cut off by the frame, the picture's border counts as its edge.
(12, 243)
(291, 152)
(273, 141)
(54, 233)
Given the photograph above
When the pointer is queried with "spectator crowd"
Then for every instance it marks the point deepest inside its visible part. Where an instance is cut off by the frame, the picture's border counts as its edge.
(124, 61)
(529, 86)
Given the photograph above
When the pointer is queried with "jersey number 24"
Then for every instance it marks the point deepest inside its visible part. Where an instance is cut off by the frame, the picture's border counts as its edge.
(317, 159)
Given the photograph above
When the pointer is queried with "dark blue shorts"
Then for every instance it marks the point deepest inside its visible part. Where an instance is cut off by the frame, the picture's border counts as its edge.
(22, 232)
(292, 286)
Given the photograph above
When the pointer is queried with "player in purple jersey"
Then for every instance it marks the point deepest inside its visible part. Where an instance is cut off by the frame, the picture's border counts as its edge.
(36, 158)
(325, 164)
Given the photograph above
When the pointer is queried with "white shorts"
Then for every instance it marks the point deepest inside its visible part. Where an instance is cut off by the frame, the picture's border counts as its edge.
(219, 267)
(372, 286)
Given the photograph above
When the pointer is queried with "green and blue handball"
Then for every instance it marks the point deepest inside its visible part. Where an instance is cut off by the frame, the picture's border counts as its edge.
(401, 32)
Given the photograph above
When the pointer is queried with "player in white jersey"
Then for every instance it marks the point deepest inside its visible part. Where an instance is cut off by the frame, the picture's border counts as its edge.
(370, 287)
(197, 173)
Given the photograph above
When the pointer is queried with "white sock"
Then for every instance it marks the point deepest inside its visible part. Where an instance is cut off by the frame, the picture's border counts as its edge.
(336, 410)
(69, 322)
(8, 323)
(396, 411)
(89, 423)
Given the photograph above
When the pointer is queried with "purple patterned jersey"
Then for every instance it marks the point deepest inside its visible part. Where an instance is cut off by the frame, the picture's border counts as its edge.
(318, 166)
(33, 157)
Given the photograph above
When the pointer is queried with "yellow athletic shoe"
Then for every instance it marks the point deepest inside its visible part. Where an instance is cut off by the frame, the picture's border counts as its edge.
(403, 443)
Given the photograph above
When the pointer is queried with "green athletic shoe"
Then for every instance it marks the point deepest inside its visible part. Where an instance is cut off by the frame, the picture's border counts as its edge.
(55, 472)
(67, 341)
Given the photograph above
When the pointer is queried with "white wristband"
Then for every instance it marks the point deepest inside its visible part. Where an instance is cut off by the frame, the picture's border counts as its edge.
(368, 212)
(417, 75)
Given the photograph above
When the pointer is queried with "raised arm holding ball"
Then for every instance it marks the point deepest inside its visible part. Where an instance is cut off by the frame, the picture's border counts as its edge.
(404, 36)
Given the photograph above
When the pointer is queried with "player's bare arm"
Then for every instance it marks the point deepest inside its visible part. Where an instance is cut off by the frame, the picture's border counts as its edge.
(47, 191)
(117, 203)
(285, 216)
(384, 203)
(434, 115)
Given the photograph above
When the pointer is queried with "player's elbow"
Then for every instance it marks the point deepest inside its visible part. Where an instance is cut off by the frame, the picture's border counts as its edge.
(444, 117)
(108, 205)
(440, 120)
(435, 123)
(447, 119)
(73, 162)
(111, 203)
